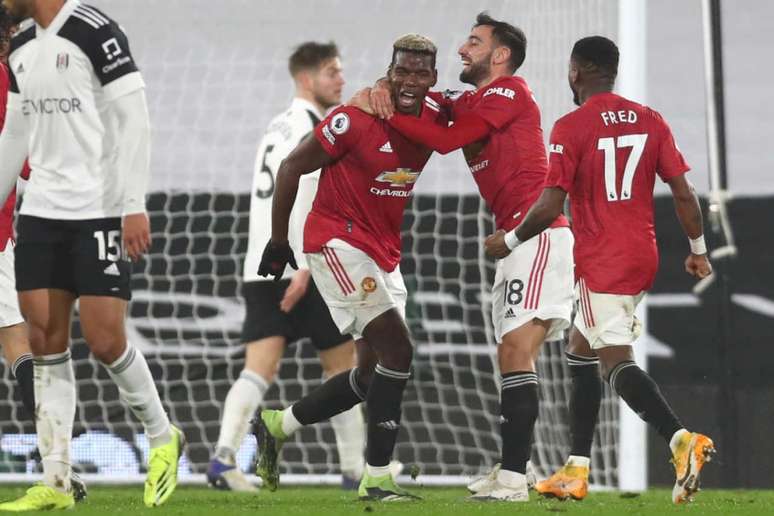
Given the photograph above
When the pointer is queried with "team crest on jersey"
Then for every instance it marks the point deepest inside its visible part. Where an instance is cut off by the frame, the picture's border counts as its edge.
(340, 123)
(62, 61)
(399, 177)
(368, 284)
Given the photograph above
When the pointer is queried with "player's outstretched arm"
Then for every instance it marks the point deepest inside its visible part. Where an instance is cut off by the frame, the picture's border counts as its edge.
(689, 212)
(304, 159)
(131, 111)
(13, 148)
(467, 129)
(539, 217)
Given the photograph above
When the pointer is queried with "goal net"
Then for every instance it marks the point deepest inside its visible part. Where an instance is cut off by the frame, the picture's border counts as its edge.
(216, 73)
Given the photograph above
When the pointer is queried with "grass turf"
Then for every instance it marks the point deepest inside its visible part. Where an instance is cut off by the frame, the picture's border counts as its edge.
(319, 501)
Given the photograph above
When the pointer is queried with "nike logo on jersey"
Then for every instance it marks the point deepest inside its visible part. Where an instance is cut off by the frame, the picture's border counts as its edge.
(112, 270)
(386, 148)
(504, 92)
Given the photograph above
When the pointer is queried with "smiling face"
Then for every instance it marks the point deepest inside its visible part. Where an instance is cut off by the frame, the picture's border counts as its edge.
(411, 75)
(476, 54)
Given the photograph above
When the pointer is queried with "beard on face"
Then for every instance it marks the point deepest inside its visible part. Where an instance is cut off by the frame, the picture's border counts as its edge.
(476, 71)
(326, 101)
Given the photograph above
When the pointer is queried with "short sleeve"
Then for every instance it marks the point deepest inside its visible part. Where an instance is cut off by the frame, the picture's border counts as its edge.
(671, 162)
(341, 130)
(562, 159)
(107, 47)
(503, 103)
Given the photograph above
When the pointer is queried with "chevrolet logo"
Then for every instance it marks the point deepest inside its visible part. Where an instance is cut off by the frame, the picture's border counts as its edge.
(400, 177)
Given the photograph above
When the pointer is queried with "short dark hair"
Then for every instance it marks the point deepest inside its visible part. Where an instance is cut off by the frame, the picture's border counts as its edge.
(415, 44)
(6, 24)
(599, 53)
(506, 35)
(311, 55)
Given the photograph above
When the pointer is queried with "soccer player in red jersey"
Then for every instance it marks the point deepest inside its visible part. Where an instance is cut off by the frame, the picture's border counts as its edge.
(353, 246)
(498, 127)
(606, 155)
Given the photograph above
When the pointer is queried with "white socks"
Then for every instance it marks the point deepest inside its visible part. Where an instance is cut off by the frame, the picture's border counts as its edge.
(137, 389)
(55, 399)
(243, 399)
(349, 428)
(289, 422)
(577, 460)
(378, 471)
(675, 440)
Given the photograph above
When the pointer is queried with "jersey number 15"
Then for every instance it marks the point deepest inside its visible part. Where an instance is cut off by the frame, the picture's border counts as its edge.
(609, 145)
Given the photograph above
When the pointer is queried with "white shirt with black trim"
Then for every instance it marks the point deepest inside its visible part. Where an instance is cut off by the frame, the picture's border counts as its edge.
(284, 133)
(63, 78)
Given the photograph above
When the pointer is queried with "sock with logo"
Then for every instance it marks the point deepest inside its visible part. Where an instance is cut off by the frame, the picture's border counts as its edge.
(643, 396)
(339, 393)
(138, 390)
(385, 397)
(519, 410)
(585, 399)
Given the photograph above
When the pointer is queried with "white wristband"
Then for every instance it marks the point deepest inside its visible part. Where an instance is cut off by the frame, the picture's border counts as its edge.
(511, 240)
(698, 245)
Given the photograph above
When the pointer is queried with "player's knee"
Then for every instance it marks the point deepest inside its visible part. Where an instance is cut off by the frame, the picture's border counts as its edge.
(398, 356)
(107, 349)
(514, 357)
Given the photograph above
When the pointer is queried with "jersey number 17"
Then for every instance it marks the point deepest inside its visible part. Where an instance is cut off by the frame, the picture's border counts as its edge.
(608, 146)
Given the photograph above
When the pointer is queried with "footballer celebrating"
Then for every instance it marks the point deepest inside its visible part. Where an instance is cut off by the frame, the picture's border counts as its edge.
(606, 155)
(352, 243)
(77, 107)
(498, 127)
(285, 311)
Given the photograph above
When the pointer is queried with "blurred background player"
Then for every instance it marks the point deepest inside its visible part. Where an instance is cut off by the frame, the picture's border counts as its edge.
(82, 117)
(498, 127)
(606, 155)
(281, 312)
(353, 245)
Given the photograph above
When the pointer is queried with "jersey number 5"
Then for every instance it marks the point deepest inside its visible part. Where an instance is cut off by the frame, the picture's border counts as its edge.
(608, 145)
(265, 192)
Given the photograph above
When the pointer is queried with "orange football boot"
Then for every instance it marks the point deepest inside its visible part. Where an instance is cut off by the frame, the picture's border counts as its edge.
(689, 457)
(569, 482)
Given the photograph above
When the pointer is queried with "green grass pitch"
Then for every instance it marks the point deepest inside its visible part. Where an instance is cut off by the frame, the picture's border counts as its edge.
(322, 501)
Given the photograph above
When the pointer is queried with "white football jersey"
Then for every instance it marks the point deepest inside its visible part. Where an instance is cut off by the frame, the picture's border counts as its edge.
(62, 79)
(284, 133)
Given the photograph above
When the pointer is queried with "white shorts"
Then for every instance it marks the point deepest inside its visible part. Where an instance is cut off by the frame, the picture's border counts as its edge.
(354, 287)
(535, 282)
(10, 314)
(606, 319)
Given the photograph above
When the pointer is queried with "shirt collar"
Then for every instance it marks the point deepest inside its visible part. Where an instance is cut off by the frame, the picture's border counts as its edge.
(299, 103)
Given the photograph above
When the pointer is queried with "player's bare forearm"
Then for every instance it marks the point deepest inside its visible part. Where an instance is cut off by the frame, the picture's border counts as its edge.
(304, 159)
(380, 98)
(542, 214)
(687, 206)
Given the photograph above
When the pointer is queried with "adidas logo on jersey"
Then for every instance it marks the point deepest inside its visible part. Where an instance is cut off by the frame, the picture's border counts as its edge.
(388, 425)
(510, 314)
(386, 148)
(112, 270)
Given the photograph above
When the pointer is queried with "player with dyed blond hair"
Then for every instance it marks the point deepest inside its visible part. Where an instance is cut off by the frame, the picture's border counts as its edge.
(352, 243)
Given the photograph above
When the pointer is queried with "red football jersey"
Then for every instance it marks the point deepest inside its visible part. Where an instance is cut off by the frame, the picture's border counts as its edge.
(606, 155)
(510, 166)
(6, 214)
(362, 194)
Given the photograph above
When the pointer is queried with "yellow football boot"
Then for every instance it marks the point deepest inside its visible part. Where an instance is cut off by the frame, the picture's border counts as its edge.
(40, 498)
